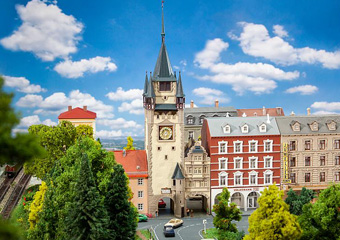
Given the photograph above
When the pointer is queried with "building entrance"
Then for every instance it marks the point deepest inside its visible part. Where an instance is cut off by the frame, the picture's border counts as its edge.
(165, 207)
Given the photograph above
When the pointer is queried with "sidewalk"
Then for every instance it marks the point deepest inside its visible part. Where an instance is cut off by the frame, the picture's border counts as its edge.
(247, 213)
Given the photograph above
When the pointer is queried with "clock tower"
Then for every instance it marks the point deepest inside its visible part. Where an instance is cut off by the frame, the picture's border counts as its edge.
(164, 101)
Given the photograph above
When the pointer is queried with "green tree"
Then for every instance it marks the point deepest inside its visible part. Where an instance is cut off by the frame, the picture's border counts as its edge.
(129, 145)
(296, 202)
(84, 130)
(272, 220)
(8, 231)
(56, 140)
(20, 147)
(321, 220)
(87, 217)
(226, 213)
(122, 213)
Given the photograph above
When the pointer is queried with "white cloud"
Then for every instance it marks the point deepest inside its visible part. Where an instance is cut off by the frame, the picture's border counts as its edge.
(327, 106)
(104, 134)
(255, 41)
(209, 95)
(280, 31)
(29, 120)
(46, 31)
(58, 102)
(324, 113)
(70, 69)
(21, 84)
(242, 76)
(121, 95)
(49, 122)
(211, 53)
(187, 105)
(134, 107)
(303, 89)
(119, 123)
(30, 100)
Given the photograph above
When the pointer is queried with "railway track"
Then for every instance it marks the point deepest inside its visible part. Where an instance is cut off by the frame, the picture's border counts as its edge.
(6, 184)
(16, 195)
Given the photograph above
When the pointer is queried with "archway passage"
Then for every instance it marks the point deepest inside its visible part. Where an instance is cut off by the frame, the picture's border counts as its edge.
(165, 207)
(197, 204)
(238, 199)
(252, 200)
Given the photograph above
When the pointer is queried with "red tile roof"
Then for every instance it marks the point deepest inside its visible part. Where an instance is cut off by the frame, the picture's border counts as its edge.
(259, 112)
(77, 113)
(134, 163)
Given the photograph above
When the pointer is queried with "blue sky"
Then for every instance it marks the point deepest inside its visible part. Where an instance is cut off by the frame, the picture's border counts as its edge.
(247, 54)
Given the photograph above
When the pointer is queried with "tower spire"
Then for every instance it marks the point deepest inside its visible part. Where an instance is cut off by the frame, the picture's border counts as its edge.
(163, 32)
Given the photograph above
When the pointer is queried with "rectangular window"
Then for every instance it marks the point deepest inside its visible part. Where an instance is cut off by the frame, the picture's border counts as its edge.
(252, 179)
(307, 161)
(267, 178)
(197, 170)
(140, 206)
(237, 180)
(205, 169)
(222, 147)
(322, 160)
(307, 145)
(268, 146)
(307, 177)
(337, 176)
(238, 163)
(322, 144)
(189, 170)
(252, 163)
(238, 147)
(223, 164)
(293, 177)
(164, 86)
(337, 144)
(292, 146)
(267, 162)
(337, 160)
(140, 181)
(292, 161)
(223, 179)
(252, 146)
(322, 177)
(140, 194)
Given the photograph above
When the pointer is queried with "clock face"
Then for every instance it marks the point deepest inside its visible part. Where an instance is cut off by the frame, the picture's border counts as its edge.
(165, 133)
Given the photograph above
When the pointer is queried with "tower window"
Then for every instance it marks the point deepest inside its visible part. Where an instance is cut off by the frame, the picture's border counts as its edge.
(166, 157)
(164, 86)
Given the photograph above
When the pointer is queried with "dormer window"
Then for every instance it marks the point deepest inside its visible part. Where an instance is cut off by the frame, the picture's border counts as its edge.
(226, 129)
(314, 126)
(296, 127)
(245, 128)
(202, 117)
(263, 127)
(331, 125)
(190, 120)
(164, 86)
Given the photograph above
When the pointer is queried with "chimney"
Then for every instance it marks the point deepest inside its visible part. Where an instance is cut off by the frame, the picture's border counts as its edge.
(124, 153)
(279, 111)
(216, 103)
(308, 111)
(264, 111)
(268, 120)
(292, 113)
(192, 104)
(85, 108)
(69, 108)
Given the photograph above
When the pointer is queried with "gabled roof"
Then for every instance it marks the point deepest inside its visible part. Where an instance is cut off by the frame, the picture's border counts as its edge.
(177, 173)
(261, 112)
(77, 113)
(134, 162)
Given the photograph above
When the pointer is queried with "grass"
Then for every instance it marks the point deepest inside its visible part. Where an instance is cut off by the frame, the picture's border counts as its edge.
(146, 233)
(211, 233)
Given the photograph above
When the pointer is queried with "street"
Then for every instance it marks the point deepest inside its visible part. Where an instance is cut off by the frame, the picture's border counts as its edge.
(192, 227)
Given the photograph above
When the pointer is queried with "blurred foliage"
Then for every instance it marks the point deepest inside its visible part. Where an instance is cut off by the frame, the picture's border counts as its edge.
(129, 145)
(36, 205)
(272, 220)
(296, 202)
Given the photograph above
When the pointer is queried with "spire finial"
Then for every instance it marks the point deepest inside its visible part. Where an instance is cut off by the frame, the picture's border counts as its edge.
(163, 32)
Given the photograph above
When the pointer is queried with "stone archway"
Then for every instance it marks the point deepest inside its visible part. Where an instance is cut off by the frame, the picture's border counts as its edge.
(238, 199)
(199, 203)
(166, 206)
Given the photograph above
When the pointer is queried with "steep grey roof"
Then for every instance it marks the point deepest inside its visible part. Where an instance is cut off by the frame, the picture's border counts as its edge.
(163, 70)
(197, 149)
(196, 113)
(285, 124)
(166, 107)
(150, 92)
(177, 173)
(179, 92)
(216, 126)
(145, 85)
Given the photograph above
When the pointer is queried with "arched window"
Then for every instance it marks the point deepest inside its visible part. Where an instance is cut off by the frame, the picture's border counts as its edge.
(190, 119)
(202, 118)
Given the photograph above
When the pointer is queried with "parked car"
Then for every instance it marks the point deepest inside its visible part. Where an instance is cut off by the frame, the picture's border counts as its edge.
(142, 218)
(161, 203)
(168, 231)
(175, 223)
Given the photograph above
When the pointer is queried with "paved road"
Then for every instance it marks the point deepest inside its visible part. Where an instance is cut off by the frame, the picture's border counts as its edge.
(191, 229)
